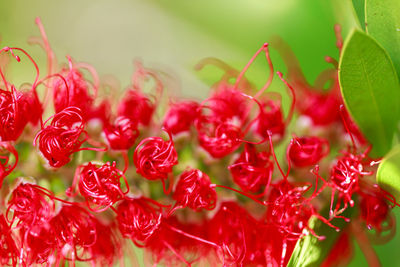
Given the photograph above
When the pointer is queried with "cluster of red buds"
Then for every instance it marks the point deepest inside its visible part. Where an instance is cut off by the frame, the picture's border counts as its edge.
(202, 184)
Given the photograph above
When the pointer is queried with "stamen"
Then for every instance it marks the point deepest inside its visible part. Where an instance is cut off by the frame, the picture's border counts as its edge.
(49, 51)
(290, 114)
(239, 78)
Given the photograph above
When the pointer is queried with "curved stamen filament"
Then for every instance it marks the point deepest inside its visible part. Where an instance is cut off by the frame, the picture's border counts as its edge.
(290, 115)
(239, 78)
(49, 51)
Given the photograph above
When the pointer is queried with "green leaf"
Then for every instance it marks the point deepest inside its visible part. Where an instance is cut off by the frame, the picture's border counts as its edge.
(309, 251)
(388, 174)
(359, 8)
(383, 23)
(370, 89)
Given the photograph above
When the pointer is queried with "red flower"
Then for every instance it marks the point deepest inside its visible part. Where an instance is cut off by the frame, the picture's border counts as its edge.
(374, 211)
(228, 104)
(136, 107)
(40, 245)
(34, 232)
(75, 94)
(18, 108)
(351, 127)
(231, 228)
(341, 252)
(100, 185)
(12, 121)
(30, 106)
(321, 106)
(252, 169)
(345, 175)
(5, 167)
(270, 119)
(108, 245)
(180, 116)
(307, 151)
(289, 210)
(194, 190)
(218, 123)
(75, 231)
(31, 205)
(102, 112)
(62, 137)
(218, 138)
(138, 219)
(288, 214)
(375, 208)
(122, 134)
(175, 240)
(154, 158)
(8, 249)
(276, 247)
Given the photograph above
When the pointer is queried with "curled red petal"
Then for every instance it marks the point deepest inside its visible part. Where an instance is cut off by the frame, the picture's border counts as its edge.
(194, 190)
(8, 248)
(63, 137)
(40, 245)
(100, 185)
(154, 158)
(252, 170)
(12, 118)
(6, 165)
(180, 116)
(122, 134)
(138, 219)
(137, 107)
(307, 151)
(75, 232)
(270, 119)
(75, 94)
(30, 205)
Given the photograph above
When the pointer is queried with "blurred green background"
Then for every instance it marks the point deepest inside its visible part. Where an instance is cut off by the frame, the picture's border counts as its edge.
(173, 35)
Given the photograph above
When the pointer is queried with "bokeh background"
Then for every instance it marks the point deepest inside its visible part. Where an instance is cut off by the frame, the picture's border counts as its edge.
(173, 35)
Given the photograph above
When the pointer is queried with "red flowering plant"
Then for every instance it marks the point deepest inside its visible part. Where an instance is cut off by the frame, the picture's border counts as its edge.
(203, 183)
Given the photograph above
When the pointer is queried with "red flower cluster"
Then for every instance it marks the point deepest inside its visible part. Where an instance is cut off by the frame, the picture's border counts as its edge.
(218, 148)
(194, 190)
(71, 233)
(100, 185)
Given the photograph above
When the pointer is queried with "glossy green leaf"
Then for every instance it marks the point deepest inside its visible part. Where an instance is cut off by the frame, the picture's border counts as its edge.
(309, 251)
(383, 23)
(388, 174)
(370, 89)
(359, 8)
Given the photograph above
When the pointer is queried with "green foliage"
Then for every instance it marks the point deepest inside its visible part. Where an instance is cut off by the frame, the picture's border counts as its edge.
(388, 174)
(359, 8)
(310, 251)
(383, 23)
(370, 89)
